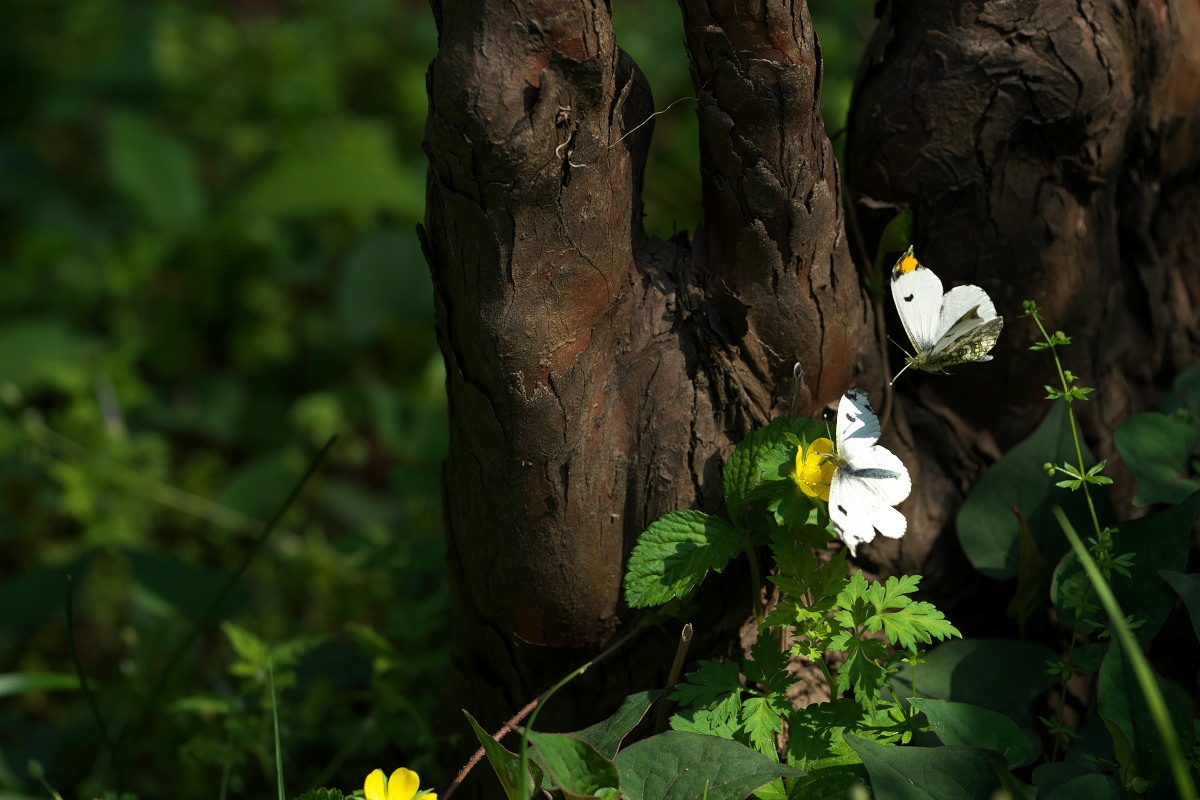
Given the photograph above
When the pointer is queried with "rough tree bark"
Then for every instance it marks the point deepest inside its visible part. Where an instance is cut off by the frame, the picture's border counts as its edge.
(598, 377)
(1049, 151)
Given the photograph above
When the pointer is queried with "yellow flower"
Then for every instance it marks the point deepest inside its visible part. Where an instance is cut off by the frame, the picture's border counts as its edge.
(403, 785)
(814, 469)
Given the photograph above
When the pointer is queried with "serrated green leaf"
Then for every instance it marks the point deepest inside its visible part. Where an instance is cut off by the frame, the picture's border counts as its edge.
(687, 766)
(320, 794)
(815, 733)
(715, 686)
(704, 721)
(768, 663)
(675, 553)
(917, 623)
(761, 720)
(742, 473)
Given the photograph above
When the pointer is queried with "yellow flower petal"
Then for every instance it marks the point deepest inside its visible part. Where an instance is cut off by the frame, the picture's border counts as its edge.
(403, 785)
(375, 787)
(814, 471)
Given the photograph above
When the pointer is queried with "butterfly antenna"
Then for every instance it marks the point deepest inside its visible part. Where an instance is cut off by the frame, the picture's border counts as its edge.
(901, 372)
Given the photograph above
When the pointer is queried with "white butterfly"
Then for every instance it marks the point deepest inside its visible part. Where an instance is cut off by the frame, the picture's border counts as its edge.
(945, 329)
(868, 480)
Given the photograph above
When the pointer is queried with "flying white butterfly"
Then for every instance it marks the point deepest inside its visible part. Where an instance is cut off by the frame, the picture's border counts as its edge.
(868, 479)
(945, 329)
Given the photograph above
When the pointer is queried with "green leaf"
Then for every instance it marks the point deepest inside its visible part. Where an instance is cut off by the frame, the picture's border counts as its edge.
(1122, 705)
(385, 282)
(46, 352)
(574, 765)
(761, 720)
(1188, 588)
(987, 529)
(815, 734)
(952, 772)
(1159, 542)
(606, 736)
(675, 553)
(965, 724)
(507, 765)
(687, 766)
(321, 794)
(715, 686)
(20, 682)
(1157, 448)
(1092, 786)
(347, 166)
(763, 464)
(998, 674)
(153, 170)
(830, 782)
(768, 664)
(1186, 394)
(1033, 578)
(743, 471)
(167, 585)
(707, 722)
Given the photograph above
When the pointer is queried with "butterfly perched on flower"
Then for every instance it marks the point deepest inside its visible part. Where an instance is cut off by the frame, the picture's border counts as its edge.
(861, 479)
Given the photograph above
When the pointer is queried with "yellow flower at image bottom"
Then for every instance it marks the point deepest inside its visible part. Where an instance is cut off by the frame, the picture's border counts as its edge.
(403, 785)
(814, 470)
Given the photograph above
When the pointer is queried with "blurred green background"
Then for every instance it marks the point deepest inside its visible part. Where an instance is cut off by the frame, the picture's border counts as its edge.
(208, 266)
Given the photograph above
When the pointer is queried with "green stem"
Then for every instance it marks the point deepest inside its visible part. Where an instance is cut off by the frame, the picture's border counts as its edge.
(1141, 667)
(828, 677)
(1062, 379)
(275, 720)
(755, 578)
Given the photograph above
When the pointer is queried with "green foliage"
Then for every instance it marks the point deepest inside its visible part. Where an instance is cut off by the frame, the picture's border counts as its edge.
(965, 724)
(210, 267)
(675, 554)
(952, 772)
(677, 765)
(517, 783)
(988, 531)
(1157, 448)
(573, 765)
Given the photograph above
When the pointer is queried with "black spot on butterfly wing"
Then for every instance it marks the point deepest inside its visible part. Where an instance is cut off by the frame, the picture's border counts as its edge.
(909, 298)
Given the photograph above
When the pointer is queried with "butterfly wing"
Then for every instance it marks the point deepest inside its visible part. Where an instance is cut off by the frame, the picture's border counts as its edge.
(858, 510)
(857, 426)
(917, 293)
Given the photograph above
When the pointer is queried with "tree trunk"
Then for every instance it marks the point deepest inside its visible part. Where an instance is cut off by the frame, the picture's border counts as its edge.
(1049, 151)
(598, 378)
